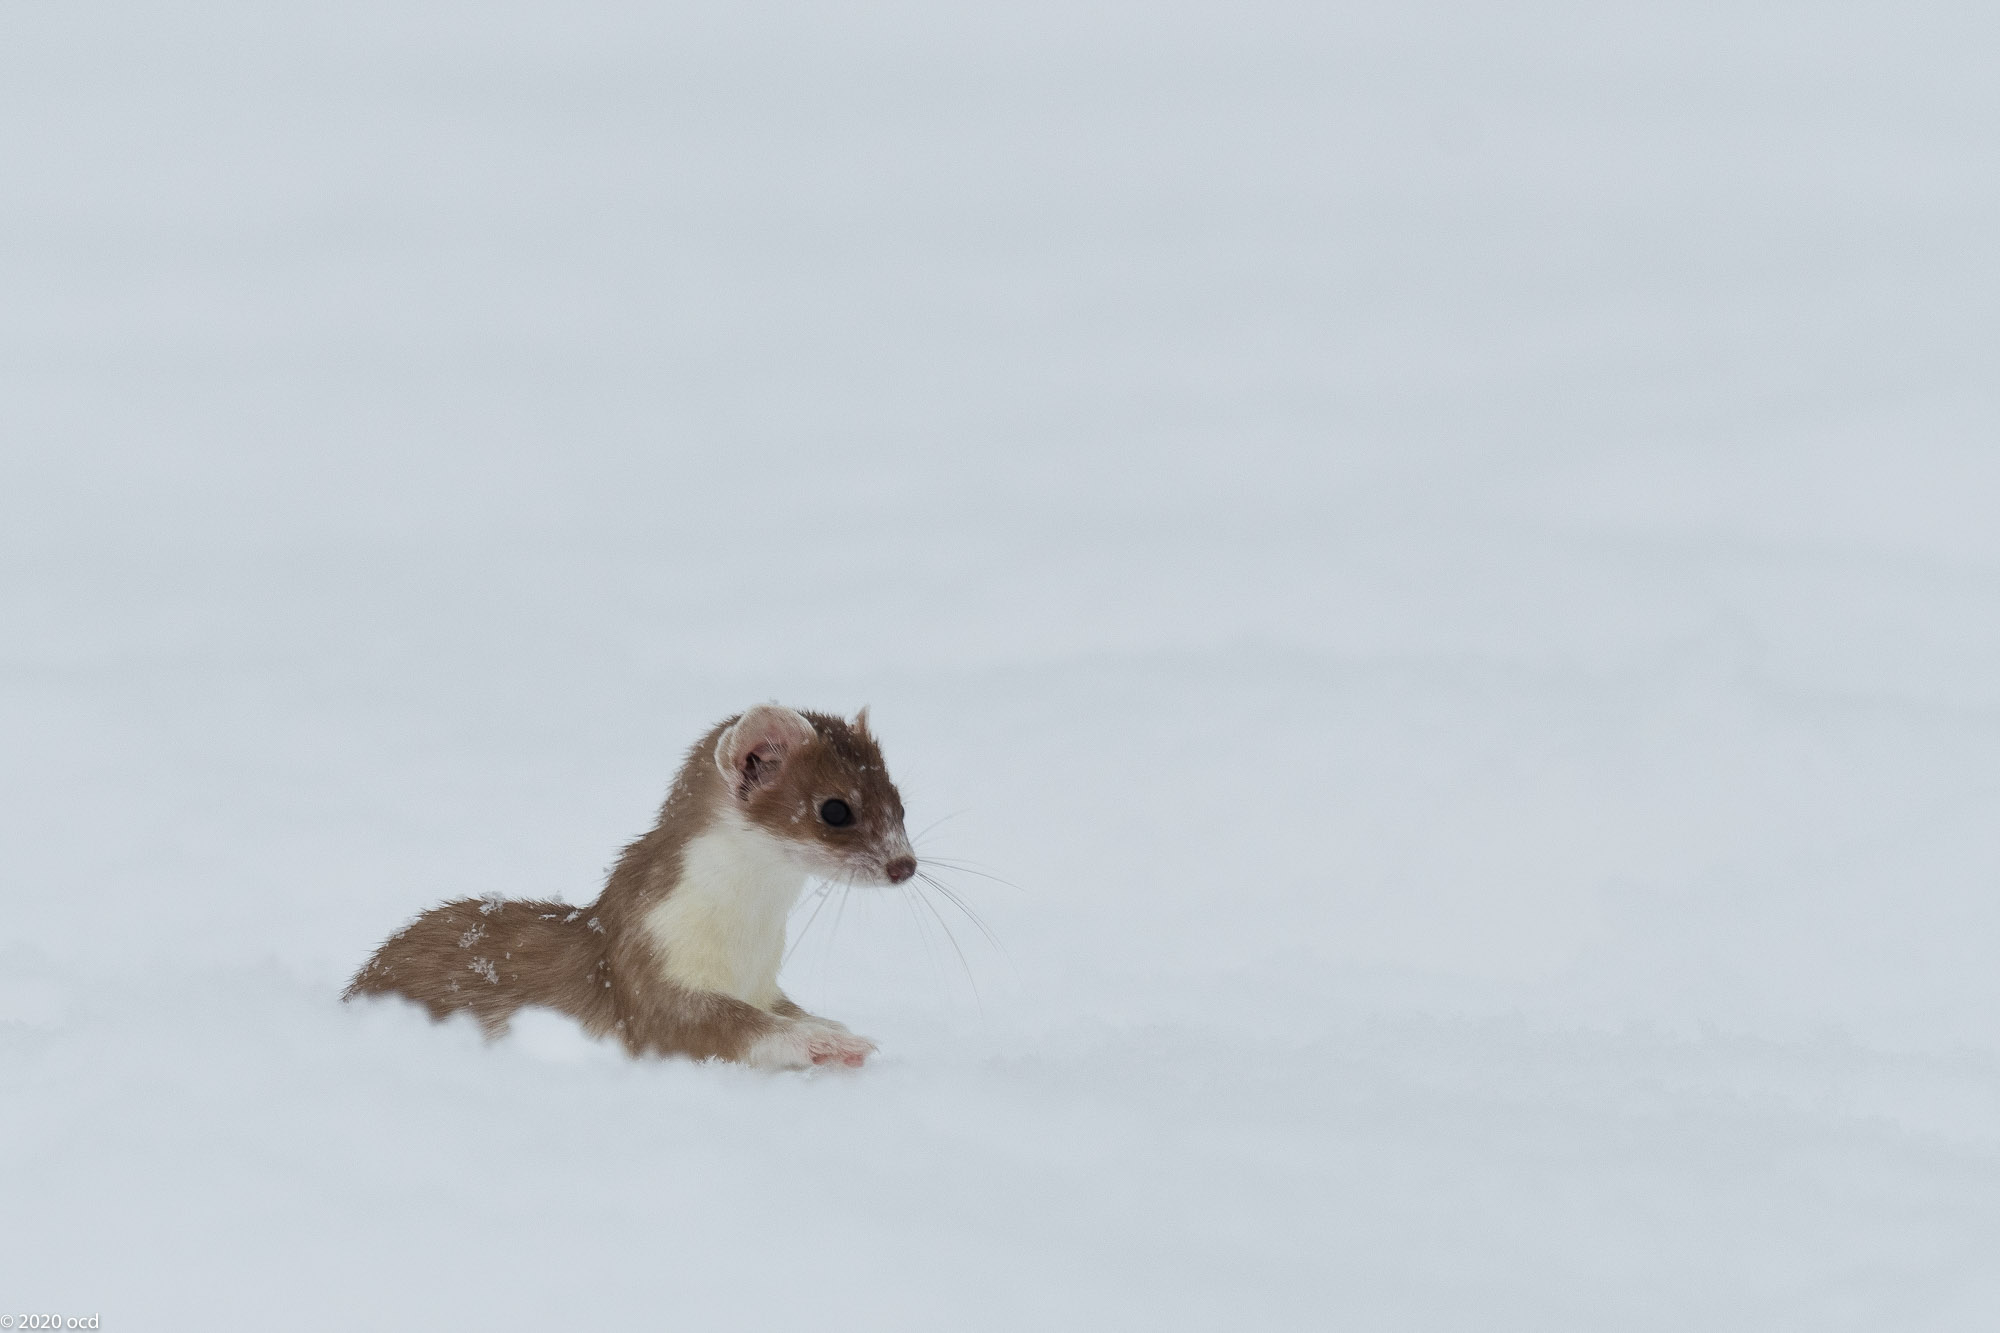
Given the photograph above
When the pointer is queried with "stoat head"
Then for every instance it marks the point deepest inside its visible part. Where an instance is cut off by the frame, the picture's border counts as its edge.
(819, 784)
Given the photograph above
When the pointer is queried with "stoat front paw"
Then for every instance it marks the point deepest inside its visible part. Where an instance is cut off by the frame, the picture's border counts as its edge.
(835, 1044)
(803, 1043)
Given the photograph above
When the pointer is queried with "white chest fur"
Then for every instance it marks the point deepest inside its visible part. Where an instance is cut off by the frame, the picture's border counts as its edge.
(723, 926)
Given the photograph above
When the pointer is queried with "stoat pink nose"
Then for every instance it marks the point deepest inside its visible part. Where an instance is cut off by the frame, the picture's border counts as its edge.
(901, 869)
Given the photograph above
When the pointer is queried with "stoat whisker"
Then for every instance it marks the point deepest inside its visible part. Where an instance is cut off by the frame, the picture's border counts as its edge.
(935, 822)
(952, 939)
(962, 906)
(846, 887)
(822, 893)
(962, 868)
(923, 931)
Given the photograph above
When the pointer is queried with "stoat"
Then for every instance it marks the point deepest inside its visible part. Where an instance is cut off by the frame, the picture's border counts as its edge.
(680, 953)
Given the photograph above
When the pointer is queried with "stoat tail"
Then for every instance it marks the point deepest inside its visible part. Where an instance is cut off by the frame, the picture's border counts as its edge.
(490, 957)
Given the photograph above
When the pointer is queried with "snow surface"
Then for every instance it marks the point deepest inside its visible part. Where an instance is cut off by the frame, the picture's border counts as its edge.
(1449, 551)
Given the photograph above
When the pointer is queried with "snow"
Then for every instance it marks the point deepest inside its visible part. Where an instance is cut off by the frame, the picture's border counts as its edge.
(1446, 554)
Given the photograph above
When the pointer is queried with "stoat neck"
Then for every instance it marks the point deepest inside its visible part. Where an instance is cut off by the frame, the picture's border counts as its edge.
(722, 926)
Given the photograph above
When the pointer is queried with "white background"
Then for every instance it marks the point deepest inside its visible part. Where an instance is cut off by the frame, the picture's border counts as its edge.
(1447, 552)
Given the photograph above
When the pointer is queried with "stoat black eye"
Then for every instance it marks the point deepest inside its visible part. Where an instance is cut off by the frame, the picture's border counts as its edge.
(836, 813)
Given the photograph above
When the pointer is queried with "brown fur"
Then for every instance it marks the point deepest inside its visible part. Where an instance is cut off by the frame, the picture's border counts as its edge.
(491, 957)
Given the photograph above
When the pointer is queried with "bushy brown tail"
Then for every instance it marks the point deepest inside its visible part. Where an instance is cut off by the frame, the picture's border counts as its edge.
(490, 957)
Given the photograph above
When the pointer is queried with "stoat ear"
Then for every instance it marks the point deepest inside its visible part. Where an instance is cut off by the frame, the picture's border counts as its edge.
(754, 747)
